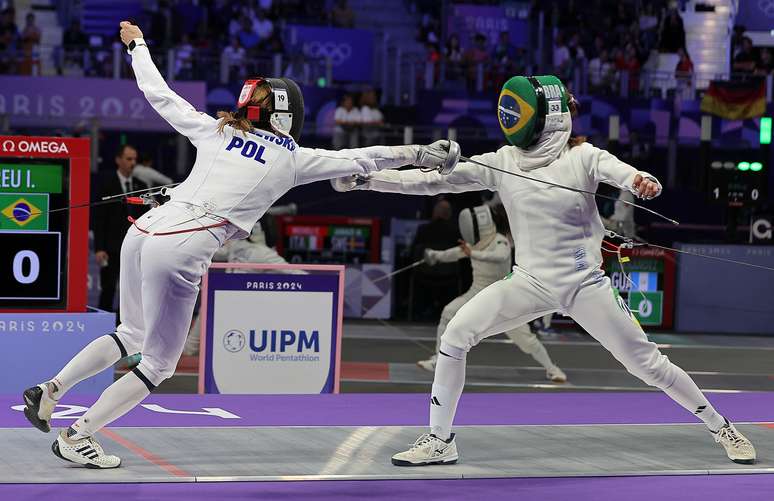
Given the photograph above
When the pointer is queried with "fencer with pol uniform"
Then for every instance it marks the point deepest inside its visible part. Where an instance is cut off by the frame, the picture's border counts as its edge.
(245, 161)
(490, 258)
(558, 234)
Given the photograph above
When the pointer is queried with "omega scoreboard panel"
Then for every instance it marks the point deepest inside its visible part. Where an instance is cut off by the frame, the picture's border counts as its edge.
(43, 254)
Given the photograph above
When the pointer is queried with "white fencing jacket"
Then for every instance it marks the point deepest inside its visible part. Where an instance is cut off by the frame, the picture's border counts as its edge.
(489, 264)
(558, 233)
(237, 176)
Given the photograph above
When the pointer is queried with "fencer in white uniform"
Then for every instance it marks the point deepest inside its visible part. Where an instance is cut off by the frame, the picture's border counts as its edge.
(244, 163)
(490, 258)
(558, 258)
(252, 249)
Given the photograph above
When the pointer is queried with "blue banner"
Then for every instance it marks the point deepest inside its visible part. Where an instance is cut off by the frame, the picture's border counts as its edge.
(755, 15)
(351, 51)
(468, 20)
(42, 343)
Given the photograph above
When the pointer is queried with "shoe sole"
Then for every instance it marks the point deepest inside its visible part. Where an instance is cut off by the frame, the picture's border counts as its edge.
(92, 466)
(32, 401)
(743, 461)
(400, 462)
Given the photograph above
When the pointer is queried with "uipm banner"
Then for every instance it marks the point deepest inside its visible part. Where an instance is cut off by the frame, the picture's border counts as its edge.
(271, 333)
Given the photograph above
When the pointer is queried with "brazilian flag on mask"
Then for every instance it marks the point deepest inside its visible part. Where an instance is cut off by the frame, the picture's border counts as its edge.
(25, 212)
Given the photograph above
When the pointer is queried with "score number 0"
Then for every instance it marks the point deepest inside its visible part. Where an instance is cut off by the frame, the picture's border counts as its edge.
(18, 266)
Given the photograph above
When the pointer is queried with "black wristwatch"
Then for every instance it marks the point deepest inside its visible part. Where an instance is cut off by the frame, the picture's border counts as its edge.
(136, 43)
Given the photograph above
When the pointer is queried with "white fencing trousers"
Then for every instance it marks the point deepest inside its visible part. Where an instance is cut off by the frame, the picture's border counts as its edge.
(160, 276)
(515, 300)
(522, 336)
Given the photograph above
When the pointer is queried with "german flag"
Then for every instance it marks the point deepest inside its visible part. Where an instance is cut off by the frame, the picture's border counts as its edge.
(735, 100)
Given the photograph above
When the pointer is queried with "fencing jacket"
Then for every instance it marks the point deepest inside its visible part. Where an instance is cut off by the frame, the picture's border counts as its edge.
(558, 233)
(237, 176)
(489, 264)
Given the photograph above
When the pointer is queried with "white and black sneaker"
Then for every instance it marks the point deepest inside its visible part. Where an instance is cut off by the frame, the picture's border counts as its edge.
(738, 448)
(429, 364)
(38, 406)
(428, 449)
(84, 451)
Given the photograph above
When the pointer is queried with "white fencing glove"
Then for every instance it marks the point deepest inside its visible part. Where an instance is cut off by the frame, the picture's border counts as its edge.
(441, 155)
(431, 257)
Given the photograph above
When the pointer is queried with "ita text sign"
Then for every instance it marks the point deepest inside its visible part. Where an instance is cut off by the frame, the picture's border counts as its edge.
(271, 333)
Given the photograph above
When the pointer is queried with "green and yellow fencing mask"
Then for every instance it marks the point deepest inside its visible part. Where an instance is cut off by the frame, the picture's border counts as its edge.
(530, 106)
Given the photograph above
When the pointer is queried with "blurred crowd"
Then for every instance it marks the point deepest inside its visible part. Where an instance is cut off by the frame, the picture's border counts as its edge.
(201, 32)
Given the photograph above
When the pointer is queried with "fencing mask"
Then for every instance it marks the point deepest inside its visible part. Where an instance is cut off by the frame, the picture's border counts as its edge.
(284, 114)
(530, 106)
(477, 226)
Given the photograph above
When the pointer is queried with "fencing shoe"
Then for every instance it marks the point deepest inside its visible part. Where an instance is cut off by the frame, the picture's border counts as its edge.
(429, 364)
(738, 448)
(38, 407)
(556, 375)
(85, 451)
(427, 450)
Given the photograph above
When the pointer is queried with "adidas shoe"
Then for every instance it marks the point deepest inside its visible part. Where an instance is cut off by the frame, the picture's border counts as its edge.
(556, 375)
(39, 406)
(427, 450)
(85, 451)
(738, 448)
(429, 364)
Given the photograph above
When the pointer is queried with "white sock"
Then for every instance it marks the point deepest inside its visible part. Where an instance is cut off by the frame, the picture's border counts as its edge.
(94, 358)
(447, 387)
(541, 355)
(685, 392)
(118, 399)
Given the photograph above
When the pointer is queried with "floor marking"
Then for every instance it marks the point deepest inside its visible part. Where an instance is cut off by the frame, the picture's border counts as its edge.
(149, 456)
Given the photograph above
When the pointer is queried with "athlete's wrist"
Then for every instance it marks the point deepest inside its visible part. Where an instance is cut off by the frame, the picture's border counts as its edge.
(134, 43)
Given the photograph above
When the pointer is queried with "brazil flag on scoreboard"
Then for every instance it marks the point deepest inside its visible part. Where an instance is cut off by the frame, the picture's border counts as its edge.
(23, 212)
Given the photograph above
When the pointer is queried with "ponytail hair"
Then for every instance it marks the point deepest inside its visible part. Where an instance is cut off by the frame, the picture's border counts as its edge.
(573, 105)
(229, 118)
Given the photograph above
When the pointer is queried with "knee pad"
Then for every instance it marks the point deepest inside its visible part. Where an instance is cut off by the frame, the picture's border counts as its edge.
(128, 343)
(449, 350)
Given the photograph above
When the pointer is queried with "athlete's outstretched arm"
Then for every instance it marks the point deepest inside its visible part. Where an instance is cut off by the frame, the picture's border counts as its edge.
(172, 108)
(319, 165)
(449, 255)
(466, 176)
(605, 167)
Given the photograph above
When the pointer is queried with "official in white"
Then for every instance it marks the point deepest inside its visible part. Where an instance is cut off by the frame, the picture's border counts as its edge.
(490, 258)
(245, 161)
(558, 258)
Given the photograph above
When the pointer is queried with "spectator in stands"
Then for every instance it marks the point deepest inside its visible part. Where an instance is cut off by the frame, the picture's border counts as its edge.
(30, 41)
(233, 57)
(684, 69)
(342, 15)
(184, 53)
(745, 59)
(577, 55)
(736, 40)
(298, 69)
(248, 38)
(765, 64)
(684, 74)
(561, 59)
(503, 56)
(74, 43)
(672, 33)
(9, 36)
(629, 64)
(452, 54)
(348, 119)
(371, 118)
(429, 30)
(475, 60)
(601, 72)
(263, 26)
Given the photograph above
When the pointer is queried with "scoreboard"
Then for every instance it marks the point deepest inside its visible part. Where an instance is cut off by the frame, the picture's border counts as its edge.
(652, 271)
(43, 254)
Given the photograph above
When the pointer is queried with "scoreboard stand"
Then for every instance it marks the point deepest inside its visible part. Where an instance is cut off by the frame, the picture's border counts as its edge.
(43, 260)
